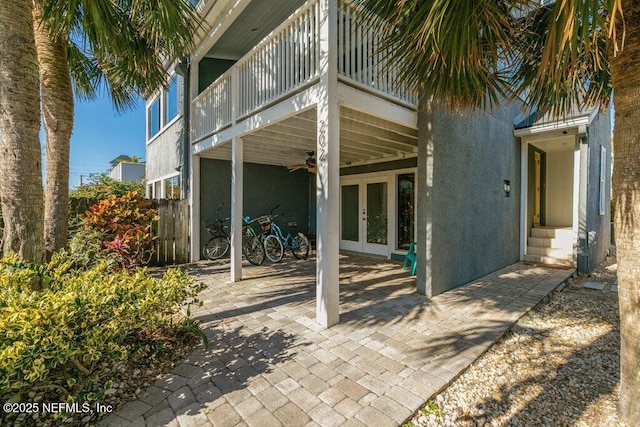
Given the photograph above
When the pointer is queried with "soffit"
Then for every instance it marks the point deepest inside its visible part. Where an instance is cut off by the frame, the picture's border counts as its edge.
(255, 22)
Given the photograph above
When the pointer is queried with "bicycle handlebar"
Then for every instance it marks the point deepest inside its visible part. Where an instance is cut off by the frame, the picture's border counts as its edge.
(247, 220)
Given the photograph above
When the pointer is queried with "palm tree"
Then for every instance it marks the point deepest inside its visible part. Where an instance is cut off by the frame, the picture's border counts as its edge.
(120, 45)
(57, 111)
(20, 167)
(477, 54)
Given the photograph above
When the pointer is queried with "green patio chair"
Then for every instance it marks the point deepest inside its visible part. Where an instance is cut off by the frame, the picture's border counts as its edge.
(410, 258)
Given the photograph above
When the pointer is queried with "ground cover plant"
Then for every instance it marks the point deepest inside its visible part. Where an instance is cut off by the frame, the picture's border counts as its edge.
(70, 341)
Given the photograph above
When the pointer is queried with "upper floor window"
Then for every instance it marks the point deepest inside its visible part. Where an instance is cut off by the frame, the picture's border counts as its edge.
(165, 107)
(172, 99)
(154, 117)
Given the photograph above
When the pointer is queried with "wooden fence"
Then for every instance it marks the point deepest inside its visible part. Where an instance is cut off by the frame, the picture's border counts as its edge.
(172, 232)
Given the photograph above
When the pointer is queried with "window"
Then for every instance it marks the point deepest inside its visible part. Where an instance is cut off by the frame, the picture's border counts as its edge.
(172, 188)
(406, 210)
(153, 117)
(156, 189)
(172, 99)
(165, 107)
(603, 181)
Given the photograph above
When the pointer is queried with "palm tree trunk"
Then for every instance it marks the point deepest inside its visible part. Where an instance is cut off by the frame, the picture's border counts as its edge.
(57, 109)
(625, 69)
(20, 162)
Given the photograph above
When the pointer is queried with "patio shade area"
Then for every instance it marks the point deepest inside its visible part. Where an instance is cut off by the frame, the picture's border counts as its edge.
(270, 363)
(363, 138)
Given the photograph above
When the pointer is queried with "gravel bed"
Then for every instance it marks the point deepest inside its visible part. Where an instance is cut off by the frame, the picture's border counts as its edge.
(558, 366)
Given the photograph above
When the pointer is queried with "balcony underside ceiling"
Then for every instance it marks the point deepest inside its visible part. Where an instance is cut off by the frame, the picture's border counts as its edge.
(363, 138)
(253, 24)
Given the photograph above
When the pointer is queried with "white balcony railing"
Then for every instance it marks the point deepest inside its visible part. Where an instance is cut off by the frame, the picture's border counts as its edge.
(213, 108)
(282, 62)
(287, 60)
(361, 57)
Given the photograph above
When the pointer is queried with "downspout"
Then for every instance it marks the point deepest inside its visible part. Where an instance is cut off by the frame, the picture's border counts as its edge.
(183, 69)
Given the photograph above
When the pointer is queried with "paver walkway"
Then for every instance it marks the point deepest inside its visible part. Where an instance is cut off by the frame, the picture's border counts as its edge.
(269, 363)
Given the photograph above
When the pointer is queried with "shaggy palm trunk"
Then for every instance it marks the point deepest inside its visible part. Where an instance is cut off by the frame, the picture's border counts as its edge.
(57, 110)
(20, 163)
(625, 70)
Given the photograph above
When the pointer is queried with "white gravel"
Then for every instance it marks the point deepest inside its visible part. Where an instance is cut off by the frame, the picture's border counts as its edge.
(559, 366)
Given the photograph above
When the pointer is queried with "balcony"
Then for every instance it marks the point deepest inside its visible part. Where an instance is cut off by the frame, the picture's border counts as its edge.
(288, 60)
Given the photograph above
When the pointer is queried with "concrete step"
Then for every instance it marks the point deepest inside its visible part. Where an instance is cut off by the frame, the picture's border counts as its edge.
(548, 260)
(552, 232)
(549, 252)
(564, 242)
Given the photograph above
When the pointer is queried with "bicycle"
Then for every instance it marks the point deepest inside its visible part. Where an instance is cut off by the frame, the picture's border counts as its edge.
(297, 243)
(218, 245)
(252, 247)
(273, 248)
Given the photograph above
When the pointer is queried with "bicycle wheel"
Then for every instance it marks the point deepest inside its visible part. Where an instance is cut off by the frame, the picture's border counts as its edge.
(300, 246)
(216, 247)
(253, 250)
(273, 248)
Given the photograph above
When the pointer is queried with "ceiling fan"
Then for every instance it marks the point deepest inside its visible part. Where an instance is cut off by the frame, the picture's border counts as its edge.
(309, 164)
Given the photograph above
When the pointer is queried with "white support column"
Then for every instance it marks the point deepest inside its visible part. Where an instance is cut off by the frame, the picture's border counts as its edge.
(194, 203)
(328, 176)
(576, 196)
(236, 208)
(582, 262)
(524, 195)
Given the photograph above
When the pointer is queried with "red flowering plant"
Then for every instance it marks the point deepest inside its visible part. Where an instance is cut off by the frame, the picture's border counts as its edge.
(125, 226)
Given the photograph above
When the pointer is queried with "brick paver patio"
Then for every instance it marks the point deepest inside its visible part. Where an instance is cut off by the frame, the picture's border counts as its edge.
(269, 363)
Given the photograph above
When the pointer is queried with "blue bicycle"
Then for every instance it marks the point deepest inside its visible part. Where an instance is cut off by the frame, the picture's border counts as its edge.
(274, 248)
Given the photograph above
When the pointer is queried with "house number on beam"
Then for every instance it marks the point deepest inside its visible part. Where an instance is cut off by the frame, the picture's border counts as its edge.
(322, 155)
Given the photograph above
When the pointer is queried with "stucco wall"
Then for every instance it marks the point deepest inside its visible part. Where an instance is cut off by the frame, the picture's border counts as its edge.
(164, 151)
(599, 133)
(474, 227)
(209, 69)
(264, 187)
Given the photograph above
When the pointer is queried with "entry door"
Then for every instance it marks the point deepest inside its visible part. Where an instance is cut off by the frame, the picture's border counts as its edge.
(364, 216)
(536, 188)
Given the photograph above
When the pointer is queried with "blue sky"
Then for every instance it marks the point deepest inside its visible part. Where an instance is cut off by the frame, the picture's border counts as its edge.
(100, 134)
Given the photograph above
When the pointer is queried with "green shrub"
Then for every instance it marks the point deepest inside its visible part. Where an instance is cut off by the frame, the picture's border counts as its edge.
(61, 337)
(85, 248)
(101, 186)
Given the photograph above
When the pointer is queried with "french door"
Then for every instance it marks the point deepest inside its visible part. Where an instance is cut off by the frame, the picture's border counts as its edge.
(364, 215)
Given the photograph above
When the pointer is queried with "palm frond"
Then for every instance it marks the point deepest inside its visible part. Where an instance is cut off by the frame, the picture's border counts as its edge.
(121, 45)
(563, 55)
(456, 52)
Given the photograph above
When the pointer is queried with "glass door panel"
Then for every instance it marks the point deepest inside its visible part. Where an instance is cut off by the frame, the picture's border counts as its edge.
(350, 205)
(406, 210)
(377, 213)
